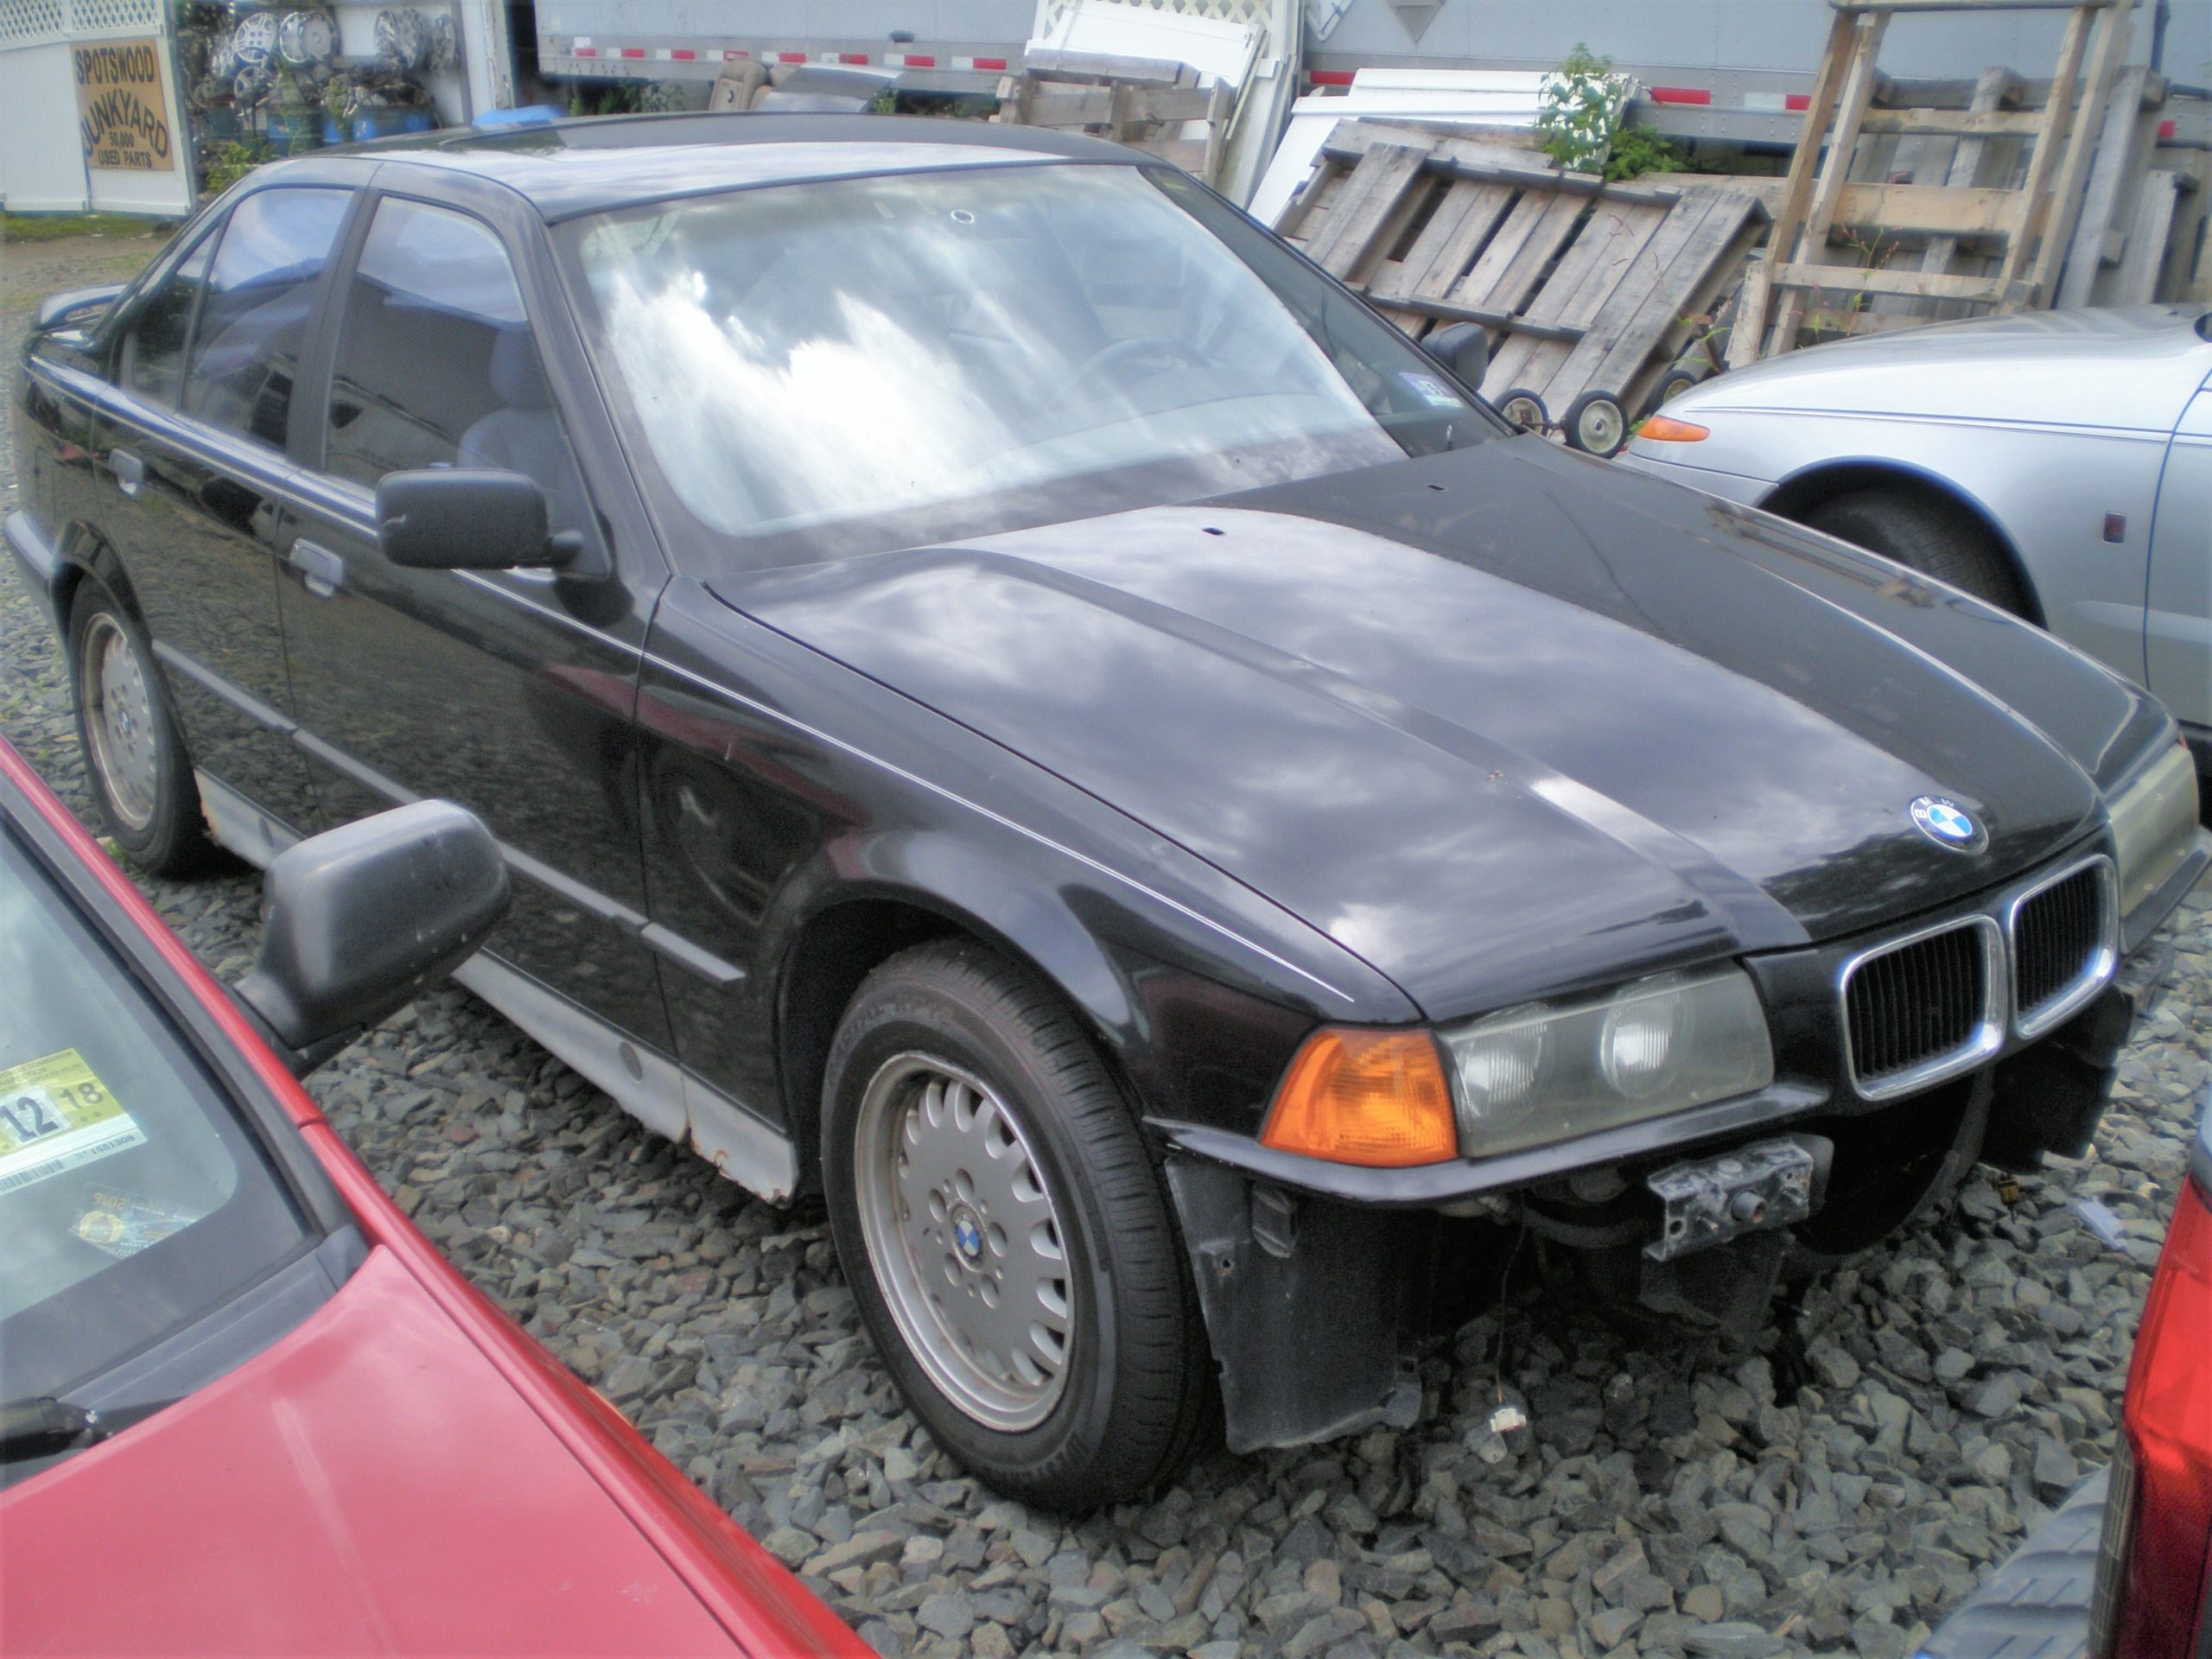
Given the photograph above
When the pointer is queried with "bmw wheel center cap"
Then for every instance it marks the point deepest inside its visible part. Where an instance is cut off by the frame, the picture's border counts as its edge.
(967, 1235)
(1948, 824)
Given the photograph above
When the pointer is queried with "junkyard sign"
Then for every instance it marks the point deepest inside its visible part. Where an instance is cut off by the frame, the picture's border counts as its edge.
(121, 114)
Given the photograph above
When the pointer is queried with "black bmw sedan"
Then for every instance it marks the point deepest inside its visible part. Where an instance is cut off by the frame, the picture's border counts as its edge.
(1011, 698)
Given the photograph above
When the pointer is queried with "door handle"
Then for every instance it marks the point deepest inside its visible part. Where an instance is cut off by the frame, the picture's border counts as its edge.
(130, 471)
(323, 571)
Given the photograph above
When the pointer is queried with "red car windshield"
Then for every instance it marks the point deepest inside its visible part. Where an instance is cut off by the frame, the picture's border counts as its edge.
(133, 1197)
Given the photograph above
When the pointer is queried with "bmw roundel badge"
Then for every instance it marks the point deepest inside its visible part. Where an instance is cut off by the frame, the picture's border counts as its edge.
(1948, 824)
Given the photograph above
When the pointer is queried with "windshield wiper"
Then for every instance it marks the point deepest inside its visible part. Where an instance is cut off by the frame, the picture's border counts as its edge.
(35, 1428)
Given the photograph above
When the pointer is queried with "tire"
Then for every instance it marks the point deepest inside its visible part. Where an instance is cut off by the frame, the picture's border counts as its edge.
(950, 1063)
(1932, 536)
(1524, 409)
(1678, 380)
(134, 758)
(1597, 424)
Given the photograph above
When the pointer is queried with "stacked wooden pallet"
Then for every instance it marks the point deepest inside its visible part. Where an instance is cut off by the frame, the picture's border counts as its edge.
(1590, 290)
(1897, 211)
(1165, 108)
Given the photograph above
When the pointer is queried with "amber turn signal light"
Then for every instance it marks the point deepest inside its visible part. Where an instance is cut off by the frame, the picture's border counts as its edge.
(1364, 1096)
(1666, 429)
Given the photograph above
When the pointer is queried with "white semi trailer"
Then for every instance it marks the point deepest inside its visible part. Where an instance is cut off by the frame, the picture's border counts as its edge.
(1731, 70)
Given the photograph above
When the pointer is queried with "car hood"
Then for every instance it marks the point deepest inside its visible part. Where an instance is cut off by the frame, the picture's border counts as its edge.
(2131, 368)
(1500, 722)
(370, 1485)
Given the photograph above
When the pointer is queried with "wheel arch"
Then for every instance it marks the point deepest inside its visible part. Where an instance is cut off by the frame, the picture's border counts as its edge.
(1812, 487)
(852, 930)
(82, 553)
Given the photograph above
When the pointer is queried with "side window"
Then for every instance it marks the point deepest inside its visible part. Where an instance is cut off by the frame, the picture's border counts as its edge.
(436, 366)
(254, 320)
(153, 360)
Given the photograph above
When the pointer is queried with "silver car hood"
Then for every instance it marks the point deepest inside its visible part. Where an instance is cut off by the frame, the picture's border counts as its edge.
(2131, 368)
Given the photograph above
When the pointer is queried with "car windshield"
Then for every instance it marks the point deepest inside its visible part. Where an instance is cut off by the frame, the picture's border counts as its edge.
(841, 367)
(133, 1199)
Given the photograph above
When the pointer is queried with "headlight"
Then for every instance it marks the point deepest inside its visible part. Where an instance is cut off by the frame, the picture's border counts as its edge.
(2153, 825)
(1551, 1070)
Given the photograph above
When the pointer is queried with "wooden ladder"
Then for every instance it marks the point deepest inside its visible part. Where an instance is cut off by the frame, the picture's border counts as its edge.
(2034, 221)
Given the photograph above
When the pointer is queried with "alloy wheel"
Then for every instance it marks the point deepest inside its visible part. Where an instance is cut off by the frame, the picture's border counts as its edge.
(965, 1240)
(119, 721)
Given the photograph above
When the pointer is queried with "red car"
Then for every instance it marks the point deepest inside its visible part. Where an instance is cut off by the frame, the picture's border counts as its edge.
(2123, 1570)
(250, 1408)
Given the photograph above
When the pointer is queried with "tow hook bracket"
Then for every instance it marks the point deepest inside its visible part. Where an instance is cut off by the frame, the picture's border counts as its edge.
(1712, 1200)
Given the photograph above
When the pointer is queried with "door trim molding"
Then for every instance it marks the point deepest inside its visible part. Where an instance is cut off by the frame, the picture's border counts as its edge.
(663, 940)
(668, 1098)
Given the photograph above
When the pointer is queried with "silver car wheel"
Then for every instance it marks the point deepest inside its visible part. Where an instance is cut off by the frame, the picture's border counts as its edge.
(119, 720)
(964, 1239)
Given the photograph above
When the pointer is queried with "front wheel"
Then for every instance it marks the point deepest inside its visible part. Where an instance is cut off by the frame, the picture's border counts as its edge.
(1005, 1233)
(134, 755)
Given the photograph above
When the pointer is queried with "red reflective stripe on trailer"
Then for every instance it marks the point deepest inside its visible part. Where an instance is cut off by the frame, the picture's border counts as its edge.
(990, 63)
(1331, 77)
(634, 51)
(726, 56)
(1678, 94)
(583, 51)
(1797, 101)
(790, 57)
(913, 60)
(2166, 130)
(681, 54)
(852, 57)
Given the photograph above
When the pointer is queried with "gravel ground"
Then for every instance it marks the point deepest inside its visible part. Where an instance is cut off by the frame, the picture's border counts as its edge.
(1835, 1488)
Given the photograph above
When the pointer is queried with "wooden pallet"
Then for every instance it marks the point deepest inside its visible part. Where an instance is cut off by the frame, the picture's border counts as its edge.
(2027, 226)
(1589, 289)
(1151, 103)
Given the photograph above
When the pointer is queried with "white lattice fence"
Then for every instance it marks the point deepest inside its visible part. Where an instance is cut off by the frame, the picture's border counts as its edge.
(47, 23)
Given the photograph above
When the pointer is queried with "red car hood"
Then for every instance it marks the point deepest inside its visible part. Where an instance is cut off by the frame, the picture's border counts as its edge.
(372, 1484)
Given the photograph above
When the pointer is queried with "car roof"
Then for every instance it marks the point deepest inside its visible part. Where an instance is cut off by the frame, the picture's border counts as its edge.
(584, 165)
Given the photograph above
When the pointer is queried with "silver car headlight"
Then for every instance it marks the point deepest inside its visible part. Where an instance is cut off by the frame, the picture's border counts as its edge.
(1547, 1071)
(2153, 825)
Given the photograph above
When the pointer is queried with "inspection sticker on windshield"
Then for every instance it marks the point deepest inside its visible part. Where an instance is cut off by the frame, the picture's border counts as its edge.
(57, 1116)
(123, 1223)
(1431, 391)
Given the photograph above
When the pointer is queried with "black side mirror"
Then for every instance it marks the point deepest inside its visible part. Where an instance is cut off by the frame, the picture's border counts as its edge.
(446, 519)
(77, 308)
(1463, 348)
(361, 919)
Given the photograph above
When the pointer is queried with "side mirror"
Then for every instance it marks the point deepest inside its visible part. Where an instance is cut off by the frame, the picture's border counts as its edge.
(362, 918)
(445, 519)
(1463, 348)
(73, 309)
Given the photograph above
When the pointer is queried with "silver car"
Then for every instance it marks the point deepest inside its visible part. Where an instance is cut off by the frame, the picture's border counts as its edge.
(2056, 463)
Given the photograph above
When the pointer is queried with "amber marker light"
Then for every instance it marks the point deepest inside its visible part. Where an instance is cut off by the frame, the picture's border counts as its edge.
(1363, 1096)
(1666, 429)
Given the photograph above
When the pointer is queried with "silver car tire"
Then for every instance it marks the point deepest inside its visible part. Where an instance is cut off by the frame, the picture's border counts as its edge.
(1006, 1235)
(135, 763)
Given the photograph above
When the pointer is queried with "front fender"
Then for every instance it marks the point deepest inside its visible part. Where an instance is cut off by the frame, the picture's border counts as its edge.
(1187, 1027)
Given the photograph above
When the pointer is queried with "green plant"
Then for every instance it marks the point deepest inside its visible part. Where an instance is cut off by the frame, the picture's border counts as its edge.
(223, 163)
(1640, 149)
(1578, 110)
